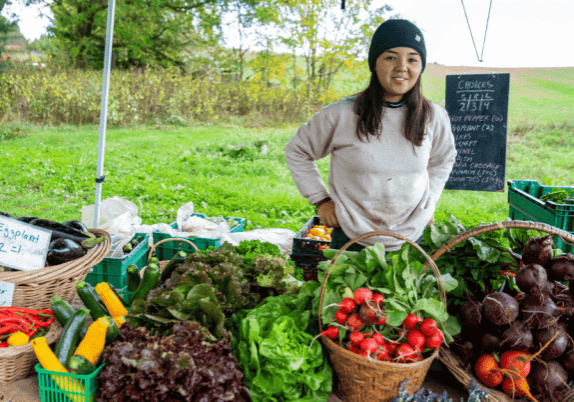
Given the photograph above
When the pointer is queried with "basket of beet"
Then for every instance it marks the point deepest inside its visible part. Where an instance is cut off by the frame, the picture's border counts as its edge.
(517, 343)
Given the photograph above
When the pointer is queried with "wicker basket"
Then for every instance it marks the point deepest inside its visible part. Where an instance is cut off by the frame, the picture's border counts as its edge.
(34, 289)
(358, 379)
(17, 362)
(445, 356)
(163, 263)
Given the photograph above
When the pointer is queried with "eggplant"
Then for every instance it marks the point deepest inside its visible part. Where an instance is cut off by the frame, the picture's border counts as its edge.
(26, 219)
(2, 213)
(78, 225)
(63, 250)
(61, 231)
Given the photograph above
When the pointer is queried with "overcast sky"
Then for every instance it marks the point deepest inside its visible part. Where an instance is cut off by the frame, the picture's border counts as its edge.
(521, 33)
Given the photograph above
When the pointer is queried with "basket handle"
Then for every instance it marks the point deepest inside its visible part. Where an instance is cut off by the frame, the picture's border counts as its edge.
(152, 249)
(435, 269)
(543, 227)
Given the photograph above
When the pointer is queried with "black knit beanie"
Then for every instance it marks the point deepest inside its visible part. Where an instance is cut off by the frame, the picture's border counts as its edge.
(396, 33)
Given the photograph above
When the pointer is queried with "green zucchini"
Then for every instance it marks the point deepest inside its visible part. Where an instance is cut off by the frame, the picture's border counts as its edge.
(175, 261)
(80, 365)
(149, 281)
(71, 335)
(153, 260)
(92, 300)
(134, 277)
(113, 331)
(63, 311)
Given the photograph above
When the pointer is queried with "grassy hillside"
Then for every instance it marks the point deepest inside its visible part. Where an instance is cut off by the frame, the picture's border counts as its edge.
(50, 171)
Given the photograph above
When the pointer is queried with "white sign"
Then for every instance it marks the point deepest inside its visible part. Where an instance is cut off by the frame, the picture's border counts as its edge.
(6, 293)
(23, 246)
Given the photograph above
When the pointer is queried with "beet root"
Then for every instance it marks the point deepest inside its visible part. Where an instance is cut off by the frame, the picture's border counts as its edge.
(548, 379)
(555, 348)
(490, 342)
(562, 267)
(532, 279)
(540, 312)
(470, 314)
(500, 308)
(568, 360)
(517, 336)
(538, 250)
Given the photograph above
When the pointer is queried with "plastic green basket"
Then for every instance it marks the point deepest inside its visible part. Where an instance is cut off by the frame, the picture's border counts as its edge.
(66, 387)
(166, 251)
(113, 270)
(525, 204)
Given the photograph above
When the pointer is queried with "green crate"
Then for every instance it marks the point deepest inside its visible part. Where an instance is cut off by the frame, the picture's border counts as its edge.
(525, 204)
(78, 388)
(113, 270)
(168, 249)
(126, 295)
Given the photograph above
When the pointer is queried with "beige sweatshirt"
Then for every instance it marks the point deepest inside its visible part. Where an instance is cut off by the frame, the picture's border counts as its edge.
(376, 185)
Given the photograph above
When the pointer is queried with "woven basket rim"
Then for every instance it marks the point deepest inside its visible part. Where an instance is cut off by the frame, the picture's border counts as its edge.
(445, 356)
(66, 270)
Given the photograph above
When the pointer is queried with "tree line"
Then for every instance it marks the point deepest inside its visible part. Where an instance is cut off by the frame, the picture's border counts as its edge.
(289, 43)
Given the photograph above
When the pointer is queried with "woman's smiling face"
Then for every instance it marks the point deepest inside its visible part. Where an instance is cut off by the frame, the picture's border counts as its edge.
(398, 70)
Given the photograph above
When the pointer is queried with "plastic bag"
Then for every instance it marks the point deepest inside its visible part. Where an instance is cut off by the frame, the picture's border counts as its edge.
(110, 208)
(283, 238)
(190, 225)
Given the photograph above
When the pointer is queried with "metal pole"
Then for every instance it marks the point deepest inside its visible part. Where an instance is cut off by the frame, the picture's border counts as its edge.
(104, 109)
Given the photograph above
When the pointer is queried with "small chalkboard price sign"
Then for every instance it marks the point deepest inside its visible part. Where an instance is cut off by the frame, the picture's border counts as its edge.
(477, 105)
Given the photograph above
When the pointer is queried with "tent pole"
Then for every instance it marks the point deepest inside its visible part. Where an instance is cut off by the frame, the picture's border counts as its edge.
(104, 109)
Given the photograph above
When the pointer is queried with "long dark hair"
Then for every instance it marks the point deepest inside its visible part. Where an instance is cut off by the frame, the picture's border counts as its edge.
(369, 106)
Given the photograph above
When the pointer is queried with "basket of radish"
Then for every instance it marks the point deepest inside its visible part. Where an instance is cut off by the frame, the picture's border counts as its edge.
(382, 319)
(517, 342)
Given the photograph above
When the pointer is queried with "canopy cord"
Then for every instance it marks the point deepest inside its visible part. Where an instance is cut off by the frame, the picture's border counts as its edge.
(468, 23)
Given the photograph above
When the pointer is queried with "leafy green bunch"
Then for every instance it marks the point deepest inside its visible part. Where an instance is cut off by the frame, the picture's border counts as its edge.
(407, 286)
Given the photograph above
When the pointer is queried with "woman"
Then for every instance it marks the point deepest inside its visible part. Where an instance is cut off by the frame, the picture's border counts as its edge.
(391, 149)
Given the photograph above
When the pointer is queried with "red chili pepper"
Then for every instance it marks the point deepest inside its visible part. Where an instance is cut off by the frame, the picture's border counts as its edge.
(21, 310)
(39, 323)
(9, 328)
(4, 344)
(15, 320)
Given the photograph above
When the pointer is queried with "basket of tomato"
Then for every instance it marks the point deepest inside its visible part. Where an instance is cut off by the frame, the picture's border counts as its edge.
(308, 246)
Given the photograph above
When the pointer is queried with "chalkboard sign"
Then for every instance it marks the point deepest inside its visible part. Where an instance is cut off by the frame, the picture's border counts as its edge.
(477, 105)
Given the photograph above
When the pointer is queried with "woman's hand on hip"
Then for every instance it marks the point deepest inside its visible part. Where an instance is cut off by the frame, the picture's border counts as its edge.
(431, 221)
(327, 214)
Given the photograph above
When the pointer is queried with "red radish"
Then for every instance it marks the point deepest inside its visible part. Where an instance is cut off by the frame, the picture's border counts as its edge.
(382, 321)
(382, 354)
(355, 322)
(434, 341)
(356, 337)
(364, 353)
(392, 346)
(369, 345)
(416, 339)
(378, 298)
(428, 327)
(516, 388)
(410, 322)
(354, 348)
(368, 314)
(361, 295)
(331, 332)
(341, 316)
(379, 338)
(487, 371)
(515, 363)
(348, 305)
(405, 352)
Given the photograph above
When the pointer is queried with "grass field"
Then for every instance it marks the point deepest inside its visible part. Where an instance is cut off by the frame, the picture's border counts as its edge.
(49, 172)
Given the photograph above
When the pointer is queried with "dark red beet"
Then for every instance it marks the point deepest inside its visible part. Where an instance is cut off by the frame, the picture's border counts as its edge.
(491, 342)
(539, 312)
(557, 347)
(538, 250)
(548, 379)
(568, 361)
(531, 279)
(500, 308)
(562, 267)
(517, 336)
(470, 314)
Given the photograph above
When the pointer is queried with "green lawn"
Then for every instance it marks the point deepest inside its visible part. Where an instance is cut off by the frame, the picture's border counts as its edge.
(49, 172)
